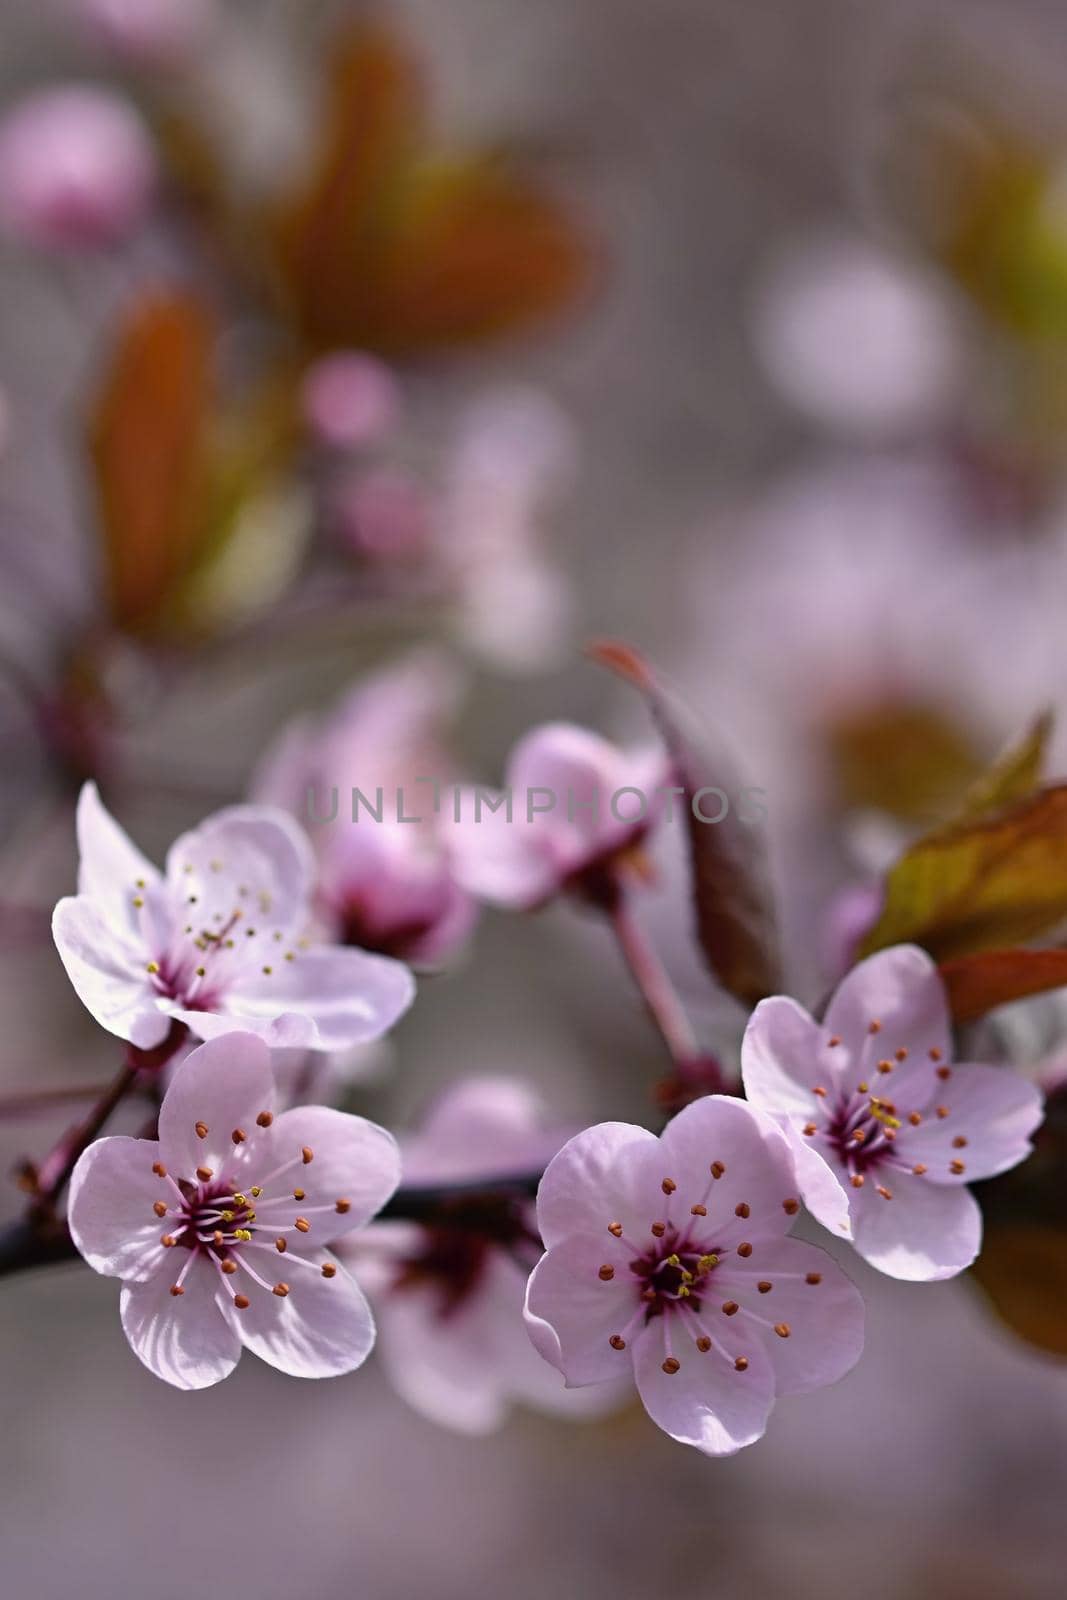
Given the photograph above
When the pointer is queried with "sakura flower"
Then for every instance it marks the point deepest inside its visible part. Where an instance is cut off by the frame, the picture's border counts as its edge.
(448, 1294)
(349, 399)
(76, 168)
(216, 940)
(886, 1130)
(384, 884)
(218, 1228)
(574, 806)
(669, 1259)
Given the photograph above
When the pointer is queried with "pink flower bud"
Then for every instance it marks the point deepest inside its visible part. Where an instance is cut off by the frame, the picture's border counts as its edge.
(349, 400)
(145, 32)
(77, 168)
(382, 516)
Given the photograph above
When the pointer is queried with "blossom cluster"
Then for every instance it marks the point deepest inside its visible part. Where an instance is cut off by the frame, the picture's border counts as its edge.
(254, 1220)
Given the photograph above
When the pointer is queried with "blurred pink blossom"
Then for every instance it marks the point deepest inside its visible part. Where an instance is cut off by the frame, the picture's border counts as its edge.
(217, 941)
(653, 1250)
(449, 1295)
(886, 1132)
(77, 168)
(383, 516)
(146, 32)
(860, 342)
(385, 885)
(573, 805)
(349, 399)
(198, 1223)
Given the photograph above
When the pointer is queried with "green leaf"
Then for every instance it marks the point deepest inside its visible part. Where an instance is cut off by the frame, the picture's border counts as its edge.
(1015, 775)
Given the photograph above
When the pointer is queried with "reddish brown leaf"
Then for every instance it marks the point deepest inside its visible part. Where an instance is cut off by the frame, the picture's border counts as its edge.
(734, 916)
(146, 437)
(978, 983)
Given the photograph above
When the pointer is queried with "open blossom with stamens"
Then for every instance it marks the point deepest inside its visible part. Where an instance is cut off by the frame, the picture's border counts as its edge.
(573, 808)
(218, 1228)
(216, 941)
(886, 1130)
(669, 1258)
(448, 1293)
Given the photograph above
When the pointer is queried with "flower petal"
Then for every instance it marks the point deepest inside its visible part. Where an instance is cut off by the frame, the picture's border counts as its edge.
(901, 992)
(322, 1328)
(108, 972)
(324, 999)
(927, 1231)
(590, 1182)
(184, 1339)
(111, 869)
(707, 1402)
(481, 1127)
(749, 1152)
(498, 856)
(353, 1160)
(824, 1319)
(112, 1192)
(249, 858)
(784, 1058)
(566, 1291)
(222, 1085)
(991, 1113)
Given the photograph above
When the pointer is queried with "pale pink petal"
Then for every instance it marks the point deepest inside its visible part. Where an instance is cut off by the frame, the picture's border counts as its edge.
(722, 1134)
(900, 992)
(481, 1127)
(824, 1318)
(821, 1184)
(497, 856)
(571, 762)
(108, 972)
(566, 1291)
(989, 1115)
(320, 1329)
(112, 1192)
(707, 1402)
(784, 1058)
(110, 866)
(348, 997)
(222, 1086)
(590, 1182)
(248, 858)
(441, 1365)
(926, 1231)
(352, 1160)
(184, 1339)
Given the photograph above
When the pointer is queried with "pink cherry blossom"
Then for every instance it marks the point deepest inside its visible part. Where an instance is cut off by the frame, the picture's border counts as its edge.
(449, 1295)
(217, 940)
(349, 399)
(77, 168)
(146, 32)
(886, 1130)
(669, 1259)
(218, 1228)
(387, 885)
(573, 806)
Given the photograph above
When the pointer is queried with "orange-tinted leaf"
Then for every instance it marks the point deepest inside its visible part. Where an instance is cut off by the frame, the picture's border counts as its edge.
(905, 758)
(393, 247)
(978, 983)
(1023, 1270)
(984, 884)
(734, 915)
(146, 437)
(330, 235)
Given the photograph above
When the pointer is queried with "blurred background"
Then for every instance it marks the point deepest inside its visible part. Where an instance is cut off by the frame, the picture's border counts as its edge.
(328, 333)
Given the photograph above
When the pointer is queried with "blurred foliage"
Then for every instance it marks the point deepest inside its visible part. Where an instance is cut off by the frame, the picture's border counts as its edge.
(393, 245)
(903, 758)
(1023, 1264)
